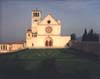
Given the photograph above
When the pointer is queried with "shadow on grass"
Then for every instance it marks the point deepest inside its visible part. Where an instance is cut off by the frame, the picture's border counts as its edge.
(27, 64)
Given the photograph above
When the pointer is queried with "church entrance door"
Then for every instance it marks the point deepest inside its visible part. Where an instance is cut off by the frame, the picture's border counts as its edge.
(49, 42)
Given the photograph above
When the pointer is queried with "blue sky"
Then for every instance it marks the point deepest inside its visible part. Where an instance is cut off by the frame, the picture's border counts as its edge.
(76, 15)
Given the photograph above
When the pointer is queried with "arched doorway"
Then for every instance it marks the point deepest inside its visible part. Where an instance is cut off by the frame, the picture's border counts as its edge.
(49, 42)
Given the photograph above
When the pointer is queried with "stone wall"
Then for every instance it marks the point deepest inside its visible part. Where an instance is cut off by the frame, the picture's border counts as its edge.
(11, 47)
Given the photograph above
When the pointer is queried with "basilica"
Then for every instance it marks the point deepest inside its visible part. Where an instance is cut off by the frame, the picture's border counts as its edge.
(44, 33)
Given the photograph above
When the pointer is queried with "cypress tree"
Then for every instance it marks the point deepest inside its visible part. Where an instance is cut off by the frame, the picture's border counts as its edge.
(84, 37)
(90, 36)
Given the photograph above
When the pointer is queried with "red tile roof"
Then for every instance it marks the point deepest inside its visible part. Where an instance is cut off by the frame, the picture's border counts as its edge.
(29, 30)
(16, 42)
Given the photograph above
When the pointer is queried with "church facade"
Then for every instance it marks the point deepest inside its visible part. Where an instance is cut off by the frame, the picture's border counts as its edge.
(44, 33)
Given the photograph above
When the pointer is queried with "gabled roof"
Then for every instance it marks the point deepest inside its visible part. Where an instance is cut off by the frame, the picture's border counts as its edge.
(50, 18)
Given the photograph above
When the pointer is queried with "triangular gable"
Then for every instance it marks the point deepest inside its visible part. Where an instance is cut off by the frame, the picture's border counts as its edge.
(48, 18)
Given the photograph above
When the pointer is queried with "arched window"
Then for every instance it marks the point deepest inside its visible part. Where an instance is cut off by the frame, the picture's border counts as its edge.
(6, 47)
(36, 14)
(34, 34)
(3, 47)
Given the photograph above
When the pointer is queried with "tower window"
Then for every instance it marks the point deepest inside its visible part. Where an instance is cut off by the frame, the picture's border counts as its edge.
(36, 14)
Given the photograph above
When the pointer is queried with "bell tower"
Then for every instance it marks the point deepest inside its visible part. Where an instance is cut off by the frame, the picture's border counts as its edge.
(36, 17)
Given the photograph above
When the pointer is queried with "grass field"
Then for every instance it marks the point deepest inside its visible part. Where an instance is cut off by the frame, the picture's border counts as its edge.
(49, 64)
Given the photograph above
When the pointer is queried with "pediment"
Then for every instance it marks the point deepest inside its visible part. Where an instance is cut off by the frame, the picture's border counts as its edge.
(49, 19)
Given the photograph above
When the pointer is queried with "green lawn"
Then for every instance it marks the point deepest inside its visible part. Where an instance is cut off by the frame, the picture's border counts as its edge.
(49, 64)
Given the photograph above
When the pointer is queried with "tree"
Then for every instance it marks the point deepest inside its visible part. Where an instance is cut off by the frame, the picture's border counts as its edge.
(73, 36)
(96, 37)
(90, 36)
(84, 37)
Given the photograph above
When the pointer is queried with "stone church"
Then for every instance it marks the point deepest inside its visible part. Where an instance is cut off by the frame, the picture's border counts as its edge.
(44, 33)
